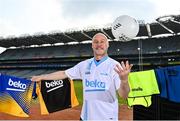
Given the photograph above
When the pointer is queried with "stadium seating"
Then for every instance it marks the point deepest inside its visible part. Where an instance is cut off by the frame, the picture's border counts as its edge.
(151, 45)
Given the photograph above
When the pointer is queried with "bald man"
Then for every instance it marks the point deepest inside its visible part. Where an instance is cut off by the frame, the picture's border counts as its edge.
(102, 77)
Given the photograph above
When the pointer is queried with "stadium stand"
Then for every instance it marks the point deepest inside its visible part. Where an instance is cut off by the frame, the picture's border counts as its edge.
(150, 45)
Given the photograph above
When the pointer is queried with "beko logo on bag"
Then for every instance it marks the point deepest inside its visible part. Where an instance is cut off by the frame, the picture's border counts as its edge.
(54, 85)
(16, 86)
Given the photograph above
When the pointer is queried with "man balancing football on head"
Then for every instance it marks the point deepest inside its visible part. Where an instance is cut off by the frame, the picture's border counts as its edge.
(102, 77)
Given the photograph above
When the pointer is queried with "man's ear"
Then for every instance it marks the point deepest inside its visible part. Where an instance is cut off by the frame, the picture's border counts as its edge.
(107, 43)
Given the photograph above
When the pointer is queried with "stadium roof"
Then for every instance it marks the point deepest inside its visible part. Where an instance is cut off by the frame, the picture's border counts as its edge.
(164, 25)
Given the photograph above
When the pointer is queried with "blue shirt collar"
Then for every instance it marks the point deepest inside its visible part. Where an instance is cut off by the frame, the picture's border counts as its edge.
(102, 60)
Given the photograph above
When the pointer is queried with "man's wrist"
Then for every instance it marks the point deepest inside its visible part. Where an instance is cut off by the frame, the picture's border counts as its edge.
(124, 81)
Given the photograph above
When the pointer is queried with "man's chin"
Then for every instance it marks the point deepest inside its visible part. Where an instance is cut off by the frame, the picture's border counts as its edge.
(100, 54)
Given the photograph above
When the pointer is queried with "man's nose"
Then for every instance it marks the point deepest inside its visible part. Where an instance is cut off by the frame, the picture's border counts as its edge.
(99, 43)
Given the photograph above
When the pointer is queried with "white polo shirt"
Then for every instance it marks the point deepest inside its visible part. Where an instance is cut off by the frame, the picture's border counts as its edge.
(100, 83)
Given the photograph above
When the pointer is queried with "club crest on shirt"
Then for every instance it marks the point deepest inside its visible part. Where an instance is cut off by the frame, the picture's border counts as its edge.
(88, 72)
(88, 68)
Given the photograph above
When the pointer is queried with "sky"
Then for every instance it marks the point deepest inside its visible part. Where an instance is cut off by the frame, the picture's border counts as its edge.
(29, 17)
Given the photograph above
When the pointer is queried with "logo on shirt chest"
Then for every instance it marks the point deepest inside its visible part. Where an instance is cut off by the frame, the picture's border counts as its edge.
(104, 74)
(95, 84)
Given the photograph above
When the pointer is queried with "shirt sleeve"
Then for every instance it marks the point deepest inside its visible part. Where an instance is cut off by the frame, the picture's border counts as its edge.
(74, 72)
